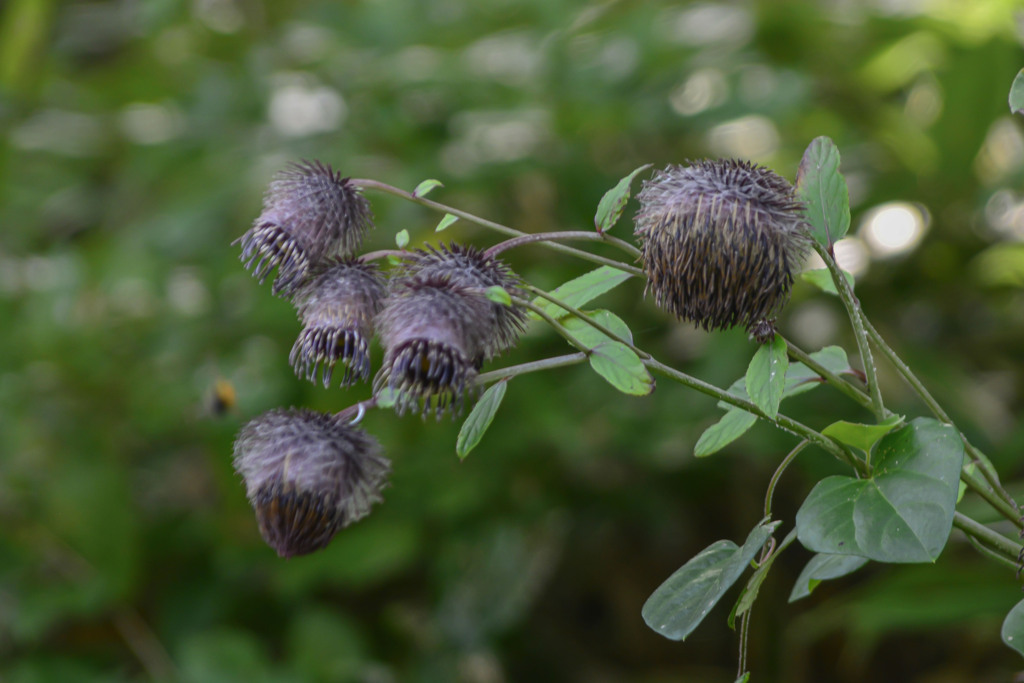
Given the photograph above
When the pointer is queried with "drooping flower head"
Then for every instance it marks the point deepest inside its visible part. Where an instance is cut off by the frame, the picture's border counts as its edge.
(721, 241)
(310, 213)
(470, 267)
(433, 332)
(307, 475)
(337, 308)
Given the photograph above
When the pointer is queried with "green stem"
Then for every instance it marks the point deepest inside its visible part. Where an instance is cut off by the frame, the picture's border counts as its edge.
(587, 319)
(366, 183)
(994, 540)
(1001, 506)
(530, 238)
(860, 334)
(778, 474)
(785, 423)
(557, 326)
(832, 378)
(533, 366)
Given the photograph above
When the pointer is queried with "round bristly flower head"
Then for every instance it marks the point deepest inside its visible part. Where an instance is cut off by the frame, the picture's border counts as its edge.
(337, 308)
(470, 267)
(307, 475)
(721, 241)
(310, 213)
(432, 331)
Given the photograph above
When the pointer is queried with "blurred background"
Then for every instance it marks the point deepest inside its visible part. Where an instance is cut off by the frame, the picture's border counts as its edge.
(137, 138)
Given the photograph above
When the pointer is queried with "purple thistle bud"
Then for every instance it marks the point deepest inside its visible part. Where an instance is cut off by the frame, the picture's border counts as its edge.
(307, 475)
(337, 309)
(721, 241)
(432, 331)
(469, 267)
(310, 213)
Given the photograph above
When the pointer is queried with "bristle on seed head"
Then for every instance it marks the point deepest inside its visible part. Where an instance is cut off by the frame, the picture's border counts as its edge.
(721, 241)
(307, 475)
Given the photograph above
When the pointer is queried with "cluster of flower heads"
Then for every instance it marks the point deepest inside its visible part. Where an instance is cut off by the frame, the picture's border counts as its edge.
(721, 241)
(309, 474)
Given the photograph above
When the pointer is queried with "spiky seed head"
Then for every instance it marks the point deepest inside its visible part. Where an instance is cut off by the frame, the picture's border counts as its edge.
(337, 308)
(307, 475)
(470, 267)
(309, 213)
(721, 241)
(432, 331)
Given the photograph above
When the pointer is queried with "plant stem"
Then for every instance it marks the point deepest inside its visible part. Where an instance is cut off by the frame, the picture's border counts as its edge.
(857, 320)
(832, 378)
(529, 238)
(788, 424)
(382, 253)
(587, 319)
(778, 475)
(557, 326)
(366, 183)
(533, 366)
(1000, 505)
(994, 540)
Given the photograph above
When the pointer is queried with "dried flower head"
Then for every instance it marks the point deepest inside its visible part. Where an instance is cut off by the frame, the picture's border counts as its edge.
(307, 475)
(721, 241)
(470, 267)
(337, 309)
(432, 331)
(310, 213)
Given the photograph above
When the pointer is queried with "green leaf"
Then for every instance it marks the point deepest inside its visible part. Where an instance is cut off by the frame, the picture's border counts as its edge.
(822, 189)
(386, 398)
(799, 377)
(822, 279)
(823, 567)
(861, 436)
(579, 291)
(1013, 626)
(1017, 94)
(498, 295)
(622, 368)
(446, 222)
(609, 209)
(743, 679)
(685, 598)
(732, 426)
(590, 336)
(479, 419)
(402, 239)
(903, 513)
(424, 188)
(766, 375)
(750, 591)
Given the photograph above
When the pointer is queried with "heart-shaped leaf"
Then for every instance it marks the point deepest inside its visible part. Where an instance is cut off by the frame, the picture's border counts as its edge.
(686, 597)
(903, 512)
(822, 189)
(609, 209)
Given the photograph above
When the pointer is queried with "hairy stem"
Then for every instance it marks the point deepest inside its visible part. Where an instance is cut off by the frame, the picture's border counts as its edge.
(533, 366)
(530, 238)
(557, 326)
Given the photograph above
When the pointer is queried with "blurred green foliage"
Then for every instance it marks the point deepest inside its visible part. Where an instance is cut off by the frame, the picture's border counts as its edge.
(137, 138)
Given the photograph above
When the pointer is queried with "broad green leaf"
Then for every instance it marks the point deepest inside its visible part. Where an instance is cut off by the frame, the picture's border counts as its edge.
(609, 209)
(591, 337)
(402, 239)
(799, 377)
(822, 279)
(822, 189)
(622, 368)
(498, 295)
(1013, 626)
(579, 291)
(424, 188)
(766, 375)
(860, 435)
(903, 513)
(446, 222)
(823, 567)
(732, 426)
(479, 419)
(685, 598)
(1017, 94)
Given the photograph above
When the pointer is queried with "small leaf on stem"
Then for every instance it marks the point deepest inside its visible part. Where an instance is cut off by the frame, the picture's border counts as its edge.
(579, 291)
(424, 188)
(480, 419)
(732, 426)
(402, 239)
(622, 368)
(822, 189)
(446, 222)
(823, 567)
(609, 209)
(861, 436)
(766, 376)
(1017, 94)
(498, 295)
(822, 279)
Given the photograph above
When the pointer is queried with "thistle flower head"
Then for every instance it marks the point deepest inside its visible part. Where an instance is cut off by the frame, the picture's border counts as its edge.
(337, 308)
(432, 331)
(309, 213)
(469, 267)
(721, 241)
(307, 475)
